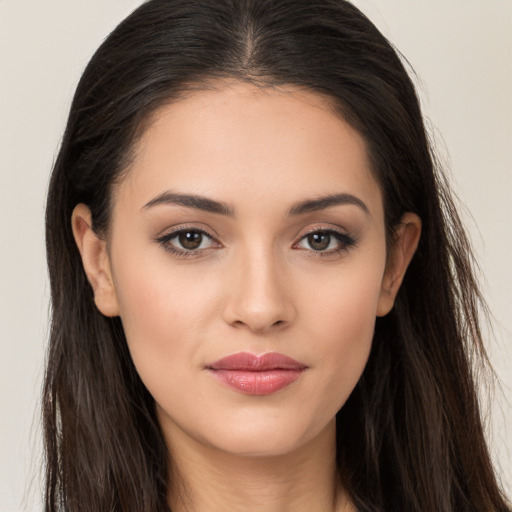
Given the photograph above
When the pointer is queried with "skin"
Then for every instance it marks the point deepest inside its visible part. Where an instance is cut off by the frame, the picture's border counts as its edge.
(257, 284)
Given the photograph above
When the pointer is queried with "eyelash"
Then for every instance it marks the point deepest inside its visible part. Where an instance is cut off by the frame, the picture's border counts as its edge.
(345, 241)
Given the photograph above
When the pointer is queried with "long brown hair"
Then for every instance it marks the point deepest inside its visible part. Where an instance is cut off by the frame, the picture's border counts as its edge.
(410, 436)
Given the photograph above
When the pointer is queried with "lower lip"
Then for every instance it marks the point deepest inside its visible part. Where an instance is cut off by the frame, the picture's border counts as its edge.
(257, 383)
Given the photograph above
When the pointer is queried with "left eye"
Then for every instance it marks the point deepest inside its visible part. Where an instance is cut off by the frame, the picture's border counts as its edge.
(325, 241)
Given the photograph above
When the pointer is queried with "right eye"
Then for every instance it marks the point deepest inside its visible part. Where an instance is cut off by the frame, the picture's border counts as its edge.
(187, 242)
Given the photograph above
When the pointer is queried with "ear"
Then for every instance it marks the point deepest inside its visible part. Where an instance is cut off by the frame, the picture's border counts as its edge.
(95, 259)
(406, 239)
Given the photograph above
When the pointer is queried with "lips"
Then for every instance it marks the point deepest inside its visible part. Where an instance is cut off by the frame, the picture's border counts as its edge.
(257, 375)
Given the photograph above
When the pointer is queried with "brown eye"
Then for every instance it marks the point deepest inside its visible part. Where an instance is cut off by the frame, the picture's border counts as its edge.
(325, 242)
(187, 242)
(319, 241)
(190, 239)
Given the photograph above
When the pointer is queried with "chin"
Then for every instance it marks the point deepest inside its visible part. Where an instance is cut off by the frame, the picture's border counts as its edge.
(267, 440)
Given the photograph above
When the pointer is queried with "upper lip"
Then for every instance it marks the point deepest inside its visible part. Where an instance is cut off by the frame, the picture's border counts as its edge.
(245, 361)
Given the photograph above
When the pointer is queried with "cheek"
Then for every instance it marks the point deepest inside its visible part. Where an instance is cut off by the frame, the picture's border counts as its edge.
(163, 318)
(342, 321)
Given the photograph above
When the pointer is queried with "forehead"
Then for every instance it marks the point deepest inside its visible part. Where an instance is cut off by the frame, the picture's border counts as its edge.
(278, 143)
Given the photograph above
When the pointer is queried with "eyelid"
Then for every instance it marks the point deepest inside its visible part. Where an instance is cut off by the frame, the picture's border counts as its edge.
(185, 227)
(324, 227)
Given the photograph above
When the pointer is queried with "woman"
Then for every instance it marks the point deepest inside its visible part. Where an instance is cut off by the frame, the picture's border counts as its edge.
(262, 295)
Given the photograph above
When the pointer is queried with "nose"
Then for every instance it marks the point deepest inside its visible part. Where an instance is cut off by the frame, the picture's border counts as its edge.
(259, 293)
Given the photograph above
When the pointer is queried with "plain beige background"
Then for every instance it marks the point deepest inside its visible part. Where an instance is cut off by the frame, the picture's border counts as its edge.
(462, 53)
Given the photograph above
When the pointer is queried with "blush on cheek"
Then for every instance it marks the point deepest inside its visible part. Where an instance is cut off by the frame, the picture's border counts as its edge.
(351, 308)
(347, 333)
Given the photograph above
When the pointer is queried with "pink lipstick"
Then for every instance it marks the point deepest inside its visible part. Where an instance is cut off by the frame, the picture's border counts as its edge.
(257, 375)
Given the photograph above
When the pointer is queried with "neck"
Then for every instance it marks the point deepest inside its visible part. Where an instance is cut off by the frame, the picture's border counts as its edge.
(211, 480)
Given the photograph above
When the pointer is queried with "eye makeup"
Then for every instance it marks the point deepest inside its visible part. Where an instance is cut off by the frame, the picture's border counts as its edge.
(193, 242)
(324, 242)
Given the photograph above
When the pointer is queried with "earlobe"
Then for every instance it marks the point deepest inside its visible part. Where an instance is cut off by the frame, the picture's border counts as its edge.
(95, 260)
(407, 236)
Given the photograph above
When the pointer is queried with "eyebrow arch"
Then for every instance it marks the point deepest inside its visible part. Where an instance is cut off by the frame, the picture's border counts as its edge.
(314, 205)
(212, 206)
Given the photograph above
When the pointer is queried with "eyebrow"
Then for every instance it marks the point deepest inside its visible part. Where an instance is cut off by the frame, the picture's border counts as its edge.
(313, 205)
(221, 208)
(191, 201)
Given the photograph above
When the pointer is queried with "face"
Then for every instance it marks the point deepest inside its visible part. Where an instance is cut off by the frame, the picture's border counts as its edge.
(247, 261)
